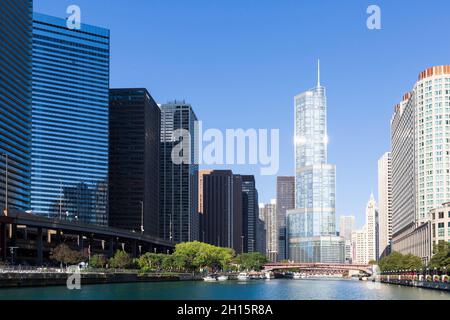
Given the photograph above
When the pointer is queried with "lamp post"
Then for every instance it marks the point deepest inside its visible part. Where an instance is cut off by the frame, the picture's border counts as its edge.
(142, 216)
(6, 183)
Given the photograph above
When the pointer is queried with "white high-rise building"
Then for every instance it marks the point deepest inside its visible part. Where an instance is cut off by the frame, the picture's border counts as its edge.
(385, 203)
(268, 213)
(372, 229)
(420, 136)
(359, 247)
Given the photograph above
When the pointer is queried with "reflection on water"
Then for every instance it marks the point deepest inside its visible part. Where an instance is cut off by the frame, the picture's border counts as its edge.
(232, 290)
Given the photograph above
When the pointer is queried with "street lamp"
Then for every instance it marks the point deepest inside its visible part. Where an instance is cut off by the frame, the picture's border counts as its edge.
(6, 184)
(142, 216)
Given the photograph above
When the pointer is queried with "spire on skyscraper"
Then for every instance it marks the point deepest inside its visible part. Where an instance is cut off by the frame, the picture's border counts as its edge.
(318, 72)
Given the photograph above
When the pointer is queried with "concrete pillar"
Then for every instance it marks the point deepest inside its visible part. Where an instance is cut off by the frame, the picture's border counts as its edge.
(3, 241)
(58, 237)
(13, 235)
(134, 248)
(111, 247)
(39, 248)
(81, 242)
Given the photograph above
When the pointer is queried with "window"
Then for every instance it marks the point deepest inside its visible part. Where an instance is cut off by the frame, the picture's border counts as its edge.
(441, 229)
(441, 215)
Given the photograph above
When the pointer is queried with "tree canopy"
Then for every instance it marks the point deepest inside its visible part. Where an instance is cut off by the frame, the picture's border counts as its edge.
(251, 261)
(441, 256)
(63, 254)
(398, 261)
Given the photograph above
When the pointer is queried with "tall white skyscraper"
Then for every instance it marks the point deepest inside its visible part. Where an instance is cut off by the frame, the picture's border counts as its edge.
(359, 246)
(385, 203)
(372, 229)
(420, 137)
(311, 225)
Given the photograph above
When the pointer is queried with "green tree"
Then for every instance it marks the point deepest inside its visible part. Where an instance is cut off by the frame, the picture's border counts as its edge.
(251, 261)
(150, 261)
(121, 260)
(441, 257)
(398, 261)
(63, 254)
(98, 261)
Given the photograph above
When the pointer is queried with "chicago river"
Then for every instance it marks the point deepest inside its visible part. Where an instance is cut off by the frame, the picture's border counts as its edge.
(275, 289)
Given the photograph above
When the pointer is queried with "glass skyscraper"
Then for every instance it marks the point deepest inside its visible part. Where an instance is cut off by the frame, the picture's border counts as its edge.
(69, 148)
(312, 225)
(15, 103)
(179, 216)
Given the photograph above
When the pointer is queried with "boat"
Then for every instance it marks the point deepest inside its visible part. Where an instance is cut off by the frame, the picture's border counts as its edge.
(222, 278)
(297, 275)
(243, 276)
(210, 279)
(269, 275)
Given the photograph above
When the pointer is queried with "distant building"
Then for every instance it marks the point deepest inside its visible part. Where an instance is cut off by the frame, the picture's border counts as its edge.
(15, 102)
(346, 227)
(221, 218)
(260, 245)
(372, 230)
(179, 217)
(268, 213)
(285, 201)
(69, 147)
(359, 247)
(385, 203)
(250, 211)
(134, 126)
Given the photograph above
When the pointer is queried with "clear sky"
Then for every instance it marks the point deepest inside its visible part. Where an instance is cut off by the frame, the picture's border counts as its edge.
(240, 63)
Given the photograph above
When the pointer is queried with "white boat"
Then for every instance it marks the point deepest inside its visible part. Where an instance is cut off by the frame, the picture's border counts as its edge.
(222, 278)
(297, 275)
(269, 275)
(209, 279)
(243, 276)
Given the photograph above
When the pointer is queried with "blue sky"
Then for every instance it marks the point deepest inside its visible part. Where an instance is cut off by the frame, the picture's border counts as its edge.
(240, 63)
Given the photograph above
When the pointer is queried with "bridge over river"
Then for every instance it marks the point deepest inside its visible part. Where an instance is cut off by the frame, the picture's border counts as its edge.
(320, 268)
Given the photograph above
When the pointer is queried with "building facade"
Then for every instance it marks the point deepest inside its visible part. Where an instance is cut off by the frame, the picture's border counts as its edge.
(134, 143)
(315, 183)
(359, 247)
(285, 201)
(346, 228)
(371, 230)
(268, 213)
(250, 212)
(221, 218)
(420, 138)
(179, 217)
(15, 103)
(440, 224)
(385, 203)
(69, 150)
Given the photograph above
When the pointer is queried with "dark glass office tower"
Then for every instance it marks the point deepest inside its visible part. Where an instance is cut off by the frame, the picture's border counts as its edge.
(179, 216)
(285, 201)
(221, 220)
(134, 141)
(250, 212)
(15, 103)
(69, 151)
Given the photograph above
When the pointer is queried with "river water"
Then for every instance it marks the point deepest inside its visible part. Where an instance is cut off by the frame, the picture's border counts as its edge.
(276, 289)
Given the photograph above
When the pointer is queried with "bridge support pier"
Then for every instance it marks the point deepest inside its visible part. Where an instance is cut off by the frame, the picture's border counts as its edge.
(39, 248)
(111, 247)
(3, 241)
(134, 248)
